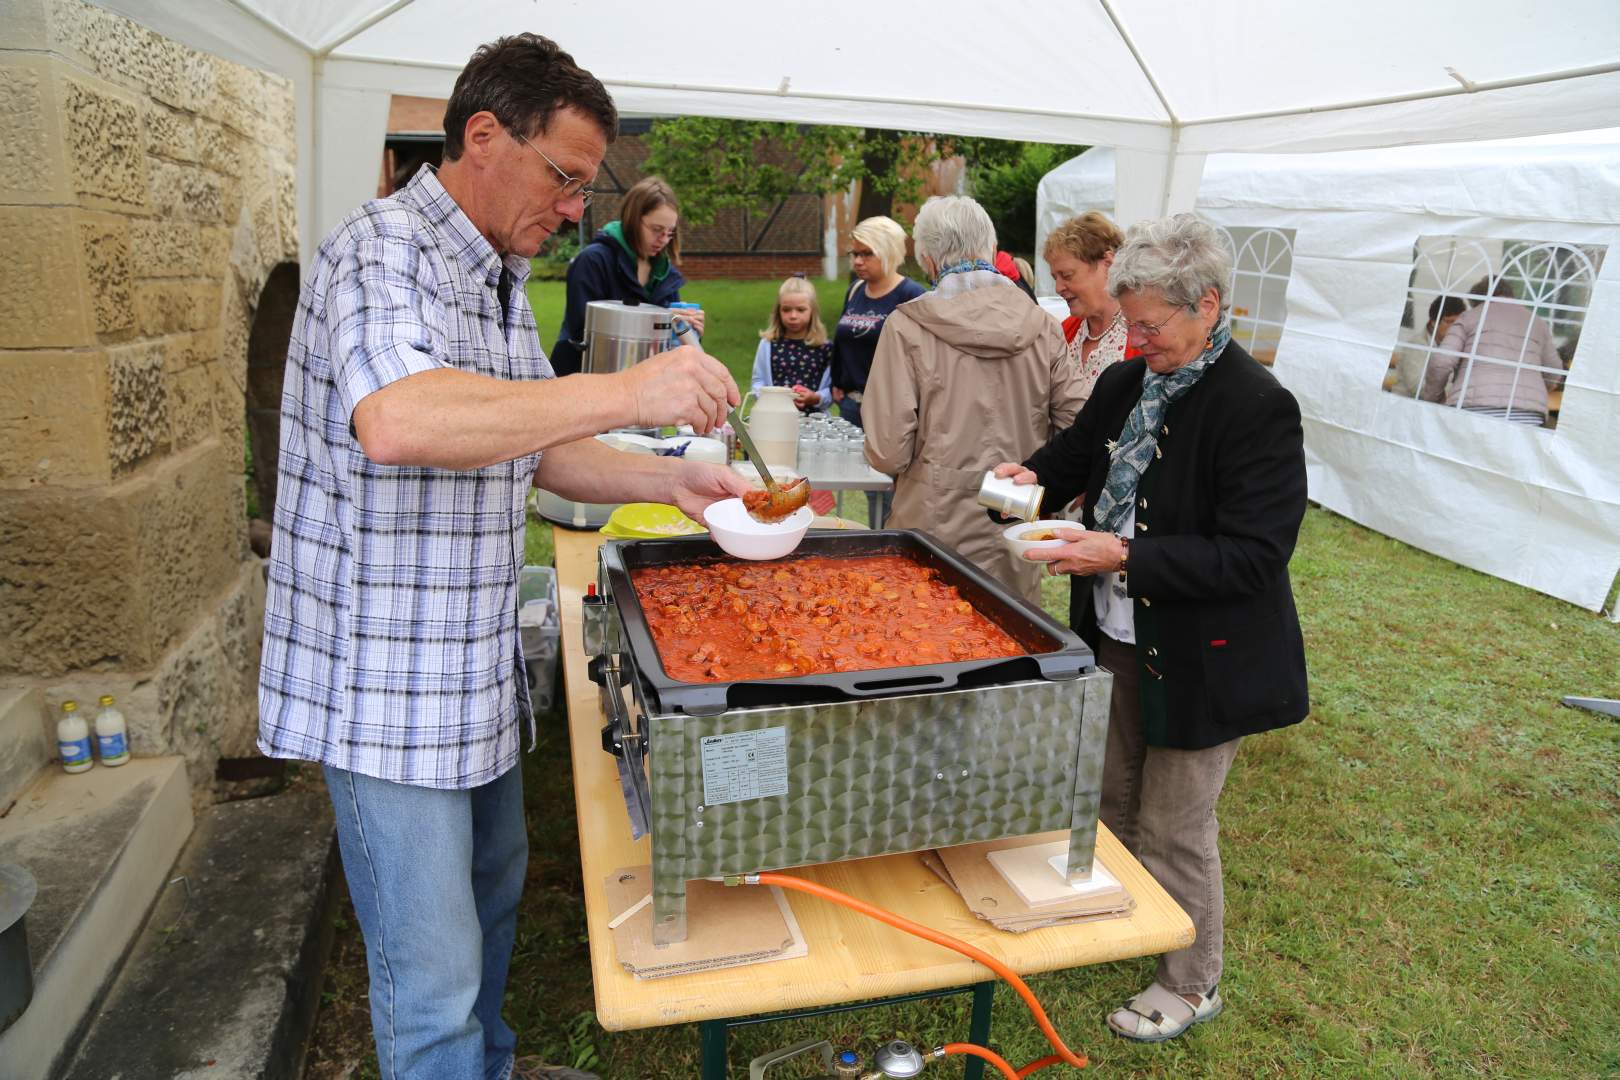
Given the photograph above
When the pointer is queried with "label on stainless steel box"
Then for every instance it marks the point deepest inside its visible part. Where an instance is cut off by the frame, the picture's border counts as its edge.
(744, 765)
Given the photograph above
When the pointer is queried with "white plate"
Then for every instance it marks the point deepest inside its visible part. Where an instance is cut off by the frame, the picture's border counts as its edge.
(741, 536)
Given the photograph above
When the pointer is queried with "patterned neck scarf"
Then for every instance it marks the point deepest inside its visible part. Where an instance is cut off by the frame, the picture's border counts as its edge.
(1138, 443)
(964, 267)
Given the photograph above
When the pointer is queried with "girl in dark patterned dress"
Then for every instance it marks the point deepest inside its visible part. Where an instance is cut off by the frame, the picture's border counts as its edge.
(794, 350)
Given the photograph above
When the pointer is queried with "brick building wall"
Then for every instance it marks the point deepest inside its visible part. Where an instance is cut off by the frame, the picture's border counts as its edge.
(749, 267)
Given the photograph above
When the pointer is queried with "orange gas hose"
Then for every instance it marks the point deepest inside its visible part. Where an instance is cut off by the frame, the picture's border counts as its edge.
(978, 1051)
(900, 922)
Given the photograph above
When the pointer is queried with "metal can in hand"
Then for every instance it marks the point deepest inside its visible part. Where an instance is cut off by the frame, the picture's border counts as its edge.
(1014, 500)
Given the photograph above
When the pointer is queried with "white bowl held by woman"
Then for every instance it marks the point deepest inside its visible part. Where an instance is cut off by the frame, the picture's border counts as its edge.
(741, 536)
(1013, 536)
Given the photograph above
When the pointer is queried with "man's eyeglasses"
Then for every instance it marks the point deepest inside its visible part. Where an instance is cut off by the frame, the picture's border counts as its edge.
(1149, 330)
(571, 185)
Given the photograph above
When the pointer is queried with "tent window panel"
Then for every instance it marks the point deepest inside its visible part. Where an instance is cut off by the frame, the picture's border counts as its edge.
(1492, 325)
(1262, 260)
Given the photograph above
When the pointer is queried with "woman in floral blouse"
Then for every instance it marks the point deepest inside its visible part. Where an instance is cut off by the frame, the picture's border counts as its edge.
(1079, 252)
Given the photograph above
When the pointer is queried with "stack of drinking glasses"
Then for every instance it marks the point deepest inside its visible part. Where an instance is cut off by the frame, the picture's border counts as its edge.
(830, 447)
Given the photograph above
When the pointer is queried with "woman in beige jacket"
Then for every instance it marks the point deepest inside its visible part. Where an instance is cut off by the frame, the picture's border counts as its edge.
(967, 376)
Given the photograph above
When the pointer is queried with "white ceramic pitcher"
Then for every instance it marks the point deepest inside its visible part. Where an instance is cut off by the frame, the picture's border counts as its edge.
(773, 421)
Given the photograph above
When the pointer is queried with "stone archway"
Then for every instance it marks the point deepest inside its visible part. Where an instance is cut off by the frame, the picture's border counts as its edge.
(266, 364)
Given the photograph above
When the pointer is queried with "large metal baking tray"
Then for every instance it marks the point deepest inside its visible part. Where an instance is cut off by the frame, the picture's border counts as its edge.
(1052, 651)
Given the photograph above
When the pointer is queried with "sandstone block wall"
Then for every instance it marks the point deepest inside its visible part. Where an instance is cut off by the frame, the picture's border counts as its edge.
(146, 202)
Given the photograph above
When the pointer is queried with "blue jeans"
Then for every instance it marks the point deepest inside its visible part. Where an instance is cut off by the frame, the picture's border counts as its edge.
(435, 876)
(850, 410)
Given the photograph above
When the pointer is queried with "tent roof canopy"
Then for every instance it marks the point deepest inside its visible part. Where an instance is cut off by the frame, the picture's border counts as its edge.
(1571, 177)
(1144, 74)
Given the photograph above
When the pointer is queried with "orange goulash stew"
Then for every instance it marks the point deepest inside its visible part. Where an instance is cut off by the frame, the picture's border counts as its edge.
(718, 622)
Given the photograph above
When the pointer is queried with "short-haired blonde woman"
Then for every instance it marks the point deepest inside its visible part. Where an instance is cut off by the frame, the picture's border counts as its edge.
(631, 259)
(1079, 253)
(966, 376)
(877, 248)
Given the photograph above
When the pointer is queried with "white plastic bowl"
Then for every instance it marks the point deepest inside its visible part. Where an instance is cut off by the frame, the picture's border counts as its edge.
(741, 536)
(1012, 536)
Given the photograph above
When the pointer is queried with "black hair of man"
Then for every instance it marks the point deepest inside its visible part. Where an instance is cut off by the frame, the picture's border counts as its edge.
(524, 79)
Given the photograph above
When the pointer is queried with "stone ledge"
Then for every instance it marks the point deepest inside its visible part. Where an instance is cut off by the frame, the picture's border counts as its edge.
(100, 844)
(225, 980)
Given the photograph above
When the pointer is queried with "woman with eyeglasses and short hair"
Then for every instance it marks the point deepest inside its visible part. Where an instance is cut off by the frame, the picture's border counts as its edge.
(1192, 460)
(632, 259)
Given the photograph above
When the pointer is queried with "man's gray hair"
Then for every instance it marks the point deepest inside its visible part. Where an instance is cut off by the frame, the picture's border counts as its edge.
(951, 229)
(1181, 256)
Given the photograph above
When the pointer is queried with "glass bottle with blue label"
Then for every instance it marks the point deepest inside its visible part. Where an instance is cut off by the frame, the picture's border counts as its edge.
(112, 734)
(73, 739)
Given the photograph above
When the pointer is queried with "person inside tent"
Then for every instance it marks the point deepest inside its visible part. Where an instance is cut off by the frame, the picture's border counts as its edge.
(1498, 359)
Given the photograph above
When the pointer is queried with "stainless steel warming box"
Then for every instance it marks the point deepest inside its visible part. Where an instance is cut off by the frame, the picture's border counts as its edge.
(742, 776)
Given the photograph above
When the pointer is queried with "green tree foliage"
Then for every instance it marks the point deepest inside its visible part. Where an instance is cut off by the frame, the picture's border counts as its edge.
(716, 164)
(1006, 189)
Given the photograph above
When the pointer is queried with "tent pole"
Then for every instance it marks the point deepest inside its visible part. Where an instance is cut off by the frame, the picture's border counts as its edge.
(1422, 95)
(1147, 72)
(343, 37)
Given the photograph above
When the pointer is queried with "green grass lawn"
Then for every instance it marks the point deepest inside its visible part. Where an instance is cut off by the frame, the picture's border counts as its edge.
(1423, 878)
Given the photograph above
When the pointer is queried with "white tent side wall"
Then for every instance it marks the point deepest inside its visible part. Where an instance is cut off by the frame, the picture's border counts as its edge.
(1533, 506)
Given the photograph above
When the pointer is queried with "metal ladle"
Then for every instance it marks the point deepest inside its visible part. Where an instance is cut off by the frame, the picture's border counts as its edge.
(781, 500)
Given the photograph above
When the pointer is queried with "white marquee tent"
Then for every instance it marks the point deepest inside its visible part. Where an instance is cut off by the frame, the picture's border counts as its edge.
(1536, 506)
(1164, 82)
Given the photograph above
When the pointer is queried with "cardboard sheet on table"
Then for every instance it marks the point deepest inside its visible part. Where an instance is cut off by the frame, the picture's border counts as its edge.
(725, 927)
(989, 896)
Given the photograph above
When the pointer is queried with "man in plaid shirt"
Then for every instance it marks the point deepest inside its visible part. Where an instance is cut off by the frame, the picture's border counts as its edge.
(418, 410)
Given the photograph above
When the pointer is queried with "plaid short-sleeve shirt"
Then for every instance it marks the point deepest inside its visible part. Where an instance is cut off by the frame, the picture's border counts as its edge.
(390, 644)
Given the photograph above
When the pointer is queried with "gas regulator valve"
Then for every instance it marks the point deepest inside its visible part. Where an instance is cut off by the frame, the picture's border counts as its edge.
(894, 1060)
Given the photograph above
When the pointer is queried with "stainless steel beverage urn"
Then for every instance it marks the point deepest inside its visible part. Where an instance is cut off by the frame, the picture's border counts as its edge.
(619, 336)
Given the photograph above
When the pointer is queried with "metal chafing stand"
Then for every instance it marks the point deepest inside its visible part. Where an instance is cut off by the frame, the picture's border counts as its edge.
(738, 777)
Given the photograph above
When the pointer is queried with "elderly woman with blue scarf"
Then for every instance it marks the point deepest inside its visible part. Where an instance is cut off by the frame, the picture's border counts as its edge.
(1191, 460)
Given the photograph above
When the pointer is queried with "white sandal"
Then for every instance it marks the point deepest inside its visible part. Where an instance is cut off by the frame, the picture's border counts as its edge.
(1157, 1014)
